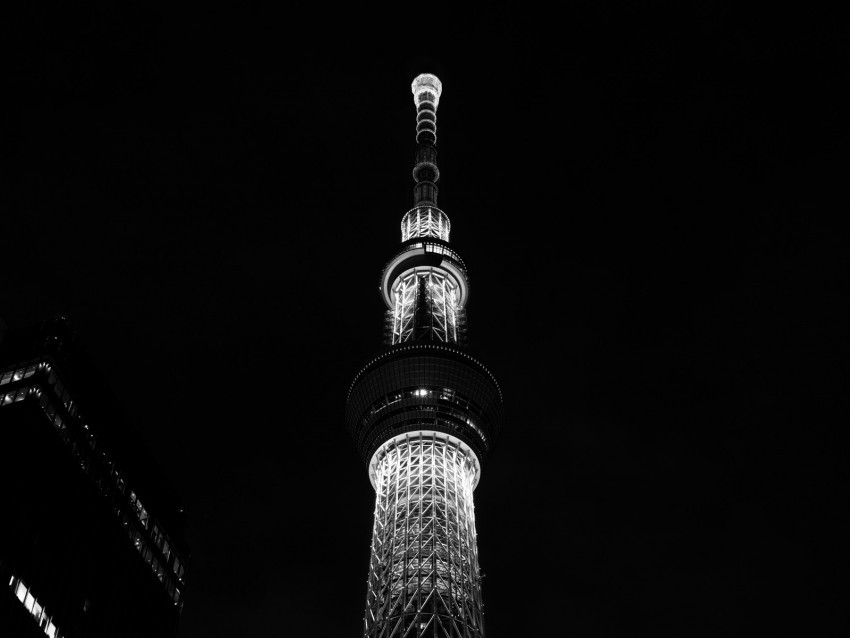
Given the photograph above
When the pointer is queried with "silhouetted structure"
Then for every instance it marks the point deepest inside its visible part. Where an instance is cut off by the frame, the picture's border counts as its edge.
(424, 414)
(90, 540)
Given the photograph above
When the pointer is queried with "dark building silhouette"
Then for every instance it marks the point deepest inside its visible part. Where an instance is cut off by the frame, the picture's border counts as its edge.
(90, 536)
(424, 414)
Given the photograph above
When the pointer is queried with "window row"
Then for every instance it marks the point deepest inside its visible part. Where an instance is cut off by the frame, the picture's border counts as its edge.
(52, 414)
(14, 396)
(61, 391)
(141, 544)
(158, 535)
(424, 392)
(17, 375)
(36, 609)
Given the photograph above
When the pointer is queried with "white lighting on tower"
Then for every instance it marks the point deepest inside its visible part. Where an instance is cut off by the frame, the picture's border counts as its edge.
(424, 415)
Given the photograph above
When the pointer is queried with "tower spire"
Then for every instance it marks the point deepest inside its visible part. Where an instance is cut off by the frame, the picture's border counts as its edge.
(426, 90)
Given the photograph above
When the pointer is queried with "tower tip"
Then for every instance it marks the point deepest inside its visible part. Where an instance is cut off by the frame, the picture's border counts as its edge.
(426, 83)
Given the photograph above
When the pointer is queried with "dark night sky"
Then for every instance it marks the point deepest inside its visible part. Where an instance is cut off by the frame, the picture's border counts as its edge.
(647, 198)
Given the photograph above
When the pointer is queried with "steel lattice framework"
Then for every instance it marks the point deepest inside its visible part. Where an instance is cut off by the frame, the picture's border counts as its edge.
(423, 575)
(432, 295)
(425, 221)
(424, 414)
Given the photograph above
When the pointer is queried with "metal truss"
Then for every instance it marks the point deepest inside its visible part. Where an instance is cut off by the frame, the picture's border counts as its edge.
(426, 306)
(425, 221)
(423, 575)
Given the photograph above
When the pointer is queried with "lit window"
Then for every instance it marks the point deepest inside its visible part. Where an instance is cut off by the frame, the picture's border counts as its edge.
(36, 609)
(6, 378)
(178, 568)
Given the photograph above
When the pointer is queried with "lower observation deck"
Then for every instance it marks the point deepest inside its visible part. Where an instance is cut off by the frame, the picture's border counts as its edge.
(415, 387)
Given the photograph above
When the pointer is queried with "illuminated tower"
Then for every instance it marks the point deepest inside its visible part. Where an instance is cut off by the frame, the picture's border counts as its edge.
(424, 414)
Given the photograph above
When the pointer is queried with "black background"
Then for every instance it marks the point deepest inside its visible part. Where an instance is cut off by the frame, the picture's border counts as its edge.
(649, 198)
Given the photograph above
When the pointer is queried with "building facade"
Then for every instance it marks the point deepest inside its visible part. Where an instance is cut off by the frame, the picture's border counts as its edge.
(90, 541)
(424, 414)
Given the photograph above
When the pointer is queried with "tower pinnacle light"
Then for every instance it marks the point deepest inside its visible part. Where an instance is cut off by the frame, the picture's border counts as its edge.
(424, 415)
